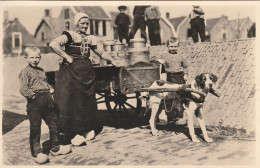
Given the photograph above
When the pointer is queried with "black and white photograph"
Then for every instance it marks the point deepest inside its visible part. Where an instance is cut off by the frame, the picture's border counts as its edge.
(129, 83)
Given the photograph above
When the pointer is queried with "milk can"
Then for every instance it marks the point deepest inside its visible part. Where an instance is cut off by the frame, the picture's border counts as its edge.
(138, 52)
(118, 52)
(107, 47)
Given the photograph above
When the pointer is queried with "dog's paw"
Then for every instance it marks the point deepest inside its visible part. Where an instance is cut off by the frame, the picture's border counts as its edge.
(155, 133)
(209, 140)
(195, 140)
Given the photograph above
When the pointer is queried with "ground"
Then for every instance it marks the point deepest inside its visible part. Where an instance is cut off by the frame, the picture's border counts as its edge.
(122, 141)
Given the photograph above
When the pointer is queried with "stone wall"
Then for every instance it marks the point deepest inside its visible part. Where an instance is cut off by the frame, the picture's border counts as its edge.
(234, 64)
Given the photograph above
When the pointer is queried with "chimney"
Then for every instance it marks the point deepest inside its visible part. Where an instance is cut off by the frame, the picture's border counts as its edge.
(167, 15)
(47, 13)
(6, 17)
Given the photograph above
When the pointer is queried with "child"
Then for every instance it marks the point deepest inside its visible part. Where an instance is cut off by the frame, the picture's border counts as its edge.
(197, 24)
(152, 17)
(40, 105)
(176, 69)
(122, 21)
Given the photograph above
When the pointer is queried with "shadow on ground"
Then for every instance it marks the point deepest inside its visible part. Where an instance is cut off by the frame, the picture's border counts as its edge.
(10, 120)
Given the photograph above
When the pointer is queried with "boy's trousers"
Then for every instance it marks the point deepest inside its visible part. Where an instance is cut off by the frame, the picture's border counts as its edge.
(122, 31)
(42, 107)
(197, 27)
(154, 31)
(139, 22)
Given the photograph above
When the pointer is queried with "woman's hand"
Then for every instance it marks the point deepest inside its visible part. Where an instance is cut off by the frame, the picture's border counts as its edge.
(69, 59)
(116, 63)
(185, 77)
(56, 47)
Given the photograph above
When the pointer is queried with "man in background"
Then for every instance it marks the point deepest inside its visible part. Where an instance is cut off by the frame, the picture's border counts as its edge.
(152, 17)
(122, 21)
(197, 24)
(139, 22)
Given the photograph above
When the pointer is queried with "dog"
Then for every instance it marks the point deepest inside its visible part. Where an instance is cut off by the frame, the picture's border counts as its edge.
(192, 102)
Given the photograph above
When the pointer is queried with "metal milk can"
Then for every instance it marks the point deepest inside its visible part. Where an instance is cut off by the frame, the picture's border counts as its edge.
(118, 52)
(138, 52)
(107, 47)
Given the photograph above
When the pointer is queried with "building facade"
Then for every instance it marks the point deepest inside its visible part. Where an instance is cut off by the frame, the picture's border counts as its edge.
(50, 28)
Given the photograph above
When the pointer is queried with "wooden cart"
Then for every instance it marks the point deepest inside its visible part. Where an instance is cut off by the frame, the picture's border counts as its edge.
(118, 87)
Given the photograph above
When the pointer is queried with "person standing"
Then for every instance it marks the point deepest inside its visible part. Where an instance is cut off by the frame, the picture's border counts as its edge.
(75, 87)
(122, 21)
(197, 24)
(176, 69)
(40, 105)
(139, 22)
(152, 17)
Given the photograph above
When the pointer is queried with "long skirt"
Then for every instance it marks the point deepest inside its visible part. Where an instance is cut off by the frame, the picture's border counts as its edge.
(75, 96)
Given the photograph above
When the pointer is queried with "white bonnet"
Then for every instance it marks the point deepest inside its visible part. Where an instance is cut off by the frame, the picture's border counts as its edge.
(78, 16)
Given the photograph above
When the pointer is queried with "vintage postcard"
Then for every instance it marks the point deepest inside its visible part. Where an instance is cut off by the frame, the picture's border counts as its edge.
(129, 83)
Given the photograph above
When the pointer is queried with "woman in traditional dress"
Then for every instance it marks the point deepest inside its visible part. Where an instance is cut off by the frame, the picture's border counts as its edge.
(75, 88)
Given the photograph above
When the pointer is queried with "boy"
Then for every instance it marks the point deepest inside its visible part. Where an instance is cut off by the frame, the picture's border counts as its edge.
(122, 21)
(152, 17)
(197, 24)
(139, 22)
(40, 105)
(176, 69)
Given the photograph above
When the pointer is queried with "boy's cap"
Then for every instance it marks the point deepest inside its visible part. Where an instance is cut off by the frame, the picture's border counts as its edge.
(122, 7)
(32, 50)
(195, 6)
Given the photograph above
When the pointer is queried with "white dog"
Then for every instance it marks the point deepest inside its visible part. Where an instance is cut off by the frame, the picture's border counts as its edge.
(192, 104)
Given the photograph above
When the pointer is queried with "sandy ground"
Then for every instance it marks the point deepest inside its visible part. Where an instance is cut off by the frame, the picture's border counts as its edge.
(121, 141)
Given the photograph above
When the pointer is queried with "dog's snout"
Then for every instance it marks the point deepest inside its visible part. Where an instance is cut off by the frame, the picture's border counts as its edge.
(210, 85)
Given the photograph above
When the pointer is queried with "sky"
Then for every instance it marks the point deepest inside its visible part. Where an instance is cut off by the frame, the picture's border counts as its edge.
(30, 16)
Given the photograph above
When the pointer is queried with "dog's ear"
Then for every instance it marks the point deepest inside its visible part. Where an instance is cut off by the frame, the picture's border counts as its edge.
(214, 77)
(198, 79)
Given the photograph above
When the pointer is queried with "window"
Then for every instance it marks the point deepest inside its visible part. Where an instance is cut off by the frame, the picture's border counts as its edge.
(67, 25)
(91, 27)
(47, 12)
(104, 28)
(17, 42)
(224, 36)
(42, 36)
(67, 13)
(96, 27)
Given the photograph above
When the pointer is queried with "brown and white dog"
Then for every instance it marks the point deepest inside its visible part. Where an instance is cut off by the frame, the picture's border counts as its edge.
(204, 82)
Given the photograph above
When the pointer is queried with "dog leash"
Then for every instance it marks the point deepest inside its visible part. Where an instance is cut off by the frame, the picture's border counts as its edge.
(165, 105)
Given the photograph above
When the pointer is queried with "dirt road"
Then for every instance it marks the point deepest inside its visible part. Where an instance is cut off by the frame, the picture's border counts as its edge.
(130, 143)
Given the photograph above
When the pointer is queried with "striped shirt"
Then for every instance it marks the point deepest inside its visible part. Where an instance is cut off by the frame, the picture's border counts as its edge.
(33, 80)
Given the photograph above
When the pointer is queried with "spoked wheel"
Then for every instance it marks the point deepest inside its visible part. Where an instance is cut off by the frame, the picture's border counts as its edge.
(100, 98)
(129, 104)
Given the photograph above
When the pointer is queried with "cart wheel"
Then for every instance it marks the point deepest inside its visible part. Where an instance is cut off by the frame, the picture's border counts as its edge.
(130, 104)
(99, 97)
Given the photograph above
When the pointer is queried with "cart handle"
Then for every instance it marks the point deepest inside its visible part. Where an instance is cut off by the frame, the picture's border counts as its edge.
(172, 90)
